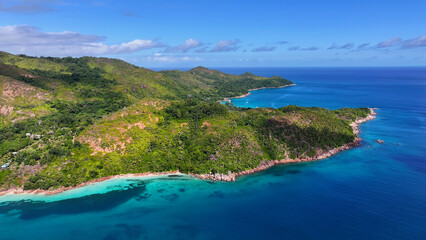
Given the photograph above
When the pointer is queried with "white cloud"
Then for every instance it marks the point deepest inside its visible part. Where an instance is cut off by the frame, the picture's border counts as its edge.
(183, 48)
(363, 45)
(226, 46)
(264, 49)
(295, 48)
(389, 43)
(344, 46)
(310, 49)
(415, 42)
(30, 40)
(28, 6)
(133, 46)
(158, 57)
(403, 44)
(281, 42)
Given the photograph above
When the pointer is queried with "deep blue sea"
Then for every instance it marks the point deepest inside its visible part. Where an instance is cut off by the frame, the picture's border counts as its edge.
(374, 191)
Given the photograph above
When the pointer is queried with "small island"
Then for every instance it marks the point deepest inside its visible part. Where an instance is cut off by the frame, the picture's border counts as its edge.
(68, 122)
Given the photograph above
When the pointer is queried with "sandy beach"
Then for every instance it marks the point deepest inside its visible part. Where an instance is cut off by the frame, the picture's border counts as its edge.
(60, 190)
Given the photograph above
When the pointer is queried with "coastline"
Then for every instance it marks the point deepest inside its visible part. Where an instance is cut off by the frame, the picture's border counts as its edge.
(270, 163)
(228, 99)
(14, 191)
(214, 177)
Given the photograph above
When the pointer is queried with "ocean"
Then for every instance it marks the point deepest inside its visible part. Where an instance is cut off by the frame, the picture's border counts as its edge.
(374, 191)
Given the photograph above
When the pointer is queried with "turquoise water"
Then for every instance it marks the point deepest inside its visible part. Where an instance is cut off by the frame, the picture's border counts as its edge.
(375, 191)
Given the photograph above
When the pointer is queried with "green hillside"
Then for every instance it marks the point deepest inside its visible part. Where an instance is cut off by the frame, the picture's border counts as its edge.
(64, 121)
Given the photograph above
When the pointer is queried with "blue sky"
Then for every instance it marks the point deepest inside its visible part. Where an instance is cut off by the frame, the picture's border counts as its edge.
(218, 33)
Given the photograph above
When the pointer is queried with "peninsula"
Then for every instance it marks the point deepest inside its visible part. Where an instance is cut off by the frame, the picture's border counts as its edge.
(67, 122)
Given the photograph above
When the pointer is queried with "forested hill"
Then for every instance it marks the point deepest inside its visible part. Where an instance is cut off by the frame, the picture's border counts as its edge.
(64, 121)
(89, 76)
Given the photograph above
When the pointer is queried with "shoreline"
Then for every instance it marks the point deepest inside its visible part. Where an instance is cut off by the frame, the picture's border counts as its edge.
(270, 163)
(214, 177)
(228, 99)
(14, 191)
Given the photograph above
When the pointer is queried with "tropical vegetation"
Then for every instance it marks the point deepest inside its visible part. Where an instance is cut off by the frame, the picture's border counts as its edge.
(65, 121)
